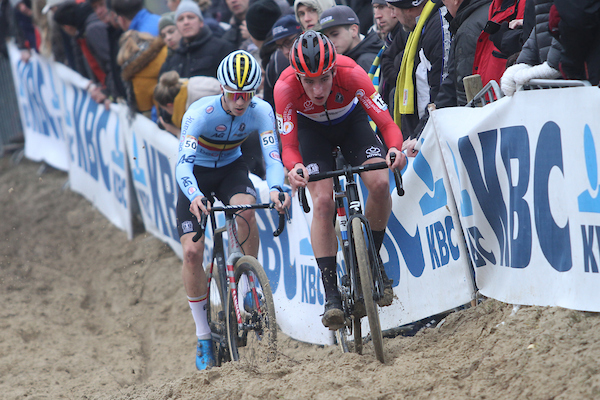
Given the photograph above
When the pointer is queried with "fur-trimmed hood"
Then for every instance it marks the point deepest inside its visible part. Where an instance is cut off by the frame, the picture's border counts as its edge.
(136, 51)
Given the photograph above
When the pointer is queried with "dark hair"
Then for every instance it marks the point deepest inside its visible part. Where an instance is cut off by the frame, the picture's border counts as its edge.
(127, 8)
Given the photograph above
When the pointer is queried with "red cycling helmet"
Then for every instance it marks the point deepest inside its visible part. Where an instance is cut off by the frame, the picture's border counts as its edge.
(312, 54)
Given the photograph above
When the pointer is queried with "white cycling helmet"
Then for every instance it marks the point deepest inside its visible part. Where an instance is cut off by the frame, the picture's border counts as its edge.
(240, 71)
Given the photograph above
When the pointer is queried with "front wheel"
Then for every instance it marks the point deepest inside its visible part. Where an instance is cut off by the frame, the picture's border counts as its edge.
(256, 335)
(215, 314)
(366, 281)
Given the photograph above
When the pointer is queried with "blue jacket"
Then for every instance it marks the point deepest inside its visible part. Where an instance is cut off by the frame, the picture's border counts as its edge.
(145, 21)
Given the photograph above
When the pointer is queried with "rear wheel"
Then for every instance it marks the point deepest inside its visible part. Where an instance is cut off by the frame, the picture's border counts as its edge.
(256, 338)
(366, 281)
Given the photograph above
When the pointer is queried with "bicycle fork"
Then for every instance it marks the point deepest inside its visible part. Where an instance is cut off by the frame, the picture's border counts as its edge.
(235, 253)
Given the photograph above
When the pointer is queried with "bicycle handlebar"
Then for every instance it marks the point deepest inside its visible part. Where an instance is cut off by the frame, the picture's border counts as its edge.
(235, 208)
(349, 170)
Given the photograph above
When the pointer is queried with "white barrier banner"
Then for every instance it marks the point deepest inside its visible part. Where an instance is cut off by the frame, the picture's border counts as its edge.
(424, 250)
(153, 155)
(525, 170)
(40, 98)
(98, 169)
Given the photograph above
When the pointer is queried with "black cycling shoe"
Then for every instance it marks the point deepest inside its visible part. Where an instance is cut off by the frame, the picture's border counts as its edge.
(360, 310)
(333, 317)
(388, 293)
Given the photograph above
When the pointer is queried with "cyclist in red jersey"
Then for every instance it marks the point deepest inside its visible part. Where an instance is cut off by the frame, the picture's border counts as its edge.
(316, 101)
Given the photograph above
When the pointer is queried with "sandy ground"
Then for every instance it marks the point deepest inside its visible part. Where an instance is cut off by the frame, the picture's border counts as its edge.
(87, 314)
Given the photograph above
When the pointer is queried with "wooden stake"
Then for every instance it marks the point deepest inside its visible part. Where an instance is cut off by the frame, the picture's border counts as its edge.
(473, 85)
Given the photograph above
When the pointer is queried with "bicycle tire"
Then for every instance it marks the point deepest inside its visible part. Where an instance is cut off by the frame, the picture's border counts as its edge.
(257, 341)
(216, 317)
(366, 281)
(341, 335)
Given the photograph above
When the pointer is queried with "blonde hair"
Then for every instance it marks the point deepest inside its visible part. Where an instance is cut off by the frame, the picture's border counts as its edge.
(168, 87)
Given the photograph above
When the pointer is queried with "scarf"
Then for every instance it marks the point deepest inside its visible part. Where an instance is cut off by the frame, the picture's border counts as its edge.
(373, 73)
(404, 99)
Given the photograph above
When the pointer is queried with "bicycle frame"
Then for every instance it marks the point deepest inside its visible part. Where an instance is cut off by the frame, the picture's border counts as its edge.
(366, 265)
(234, 250)
(345, 213)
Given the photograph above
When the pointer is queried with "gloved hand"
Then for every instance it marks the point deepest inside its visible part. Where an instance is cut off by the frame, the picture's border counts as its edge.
(507, 82)
(542, 71)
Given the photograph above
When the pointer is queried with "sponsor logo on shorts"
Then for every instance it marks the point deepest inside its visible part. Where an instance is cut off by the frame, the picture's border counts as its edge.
(187, 226)
(209, 109)
(373, 152)
(251, 191)
(313, 168)
(221, 128)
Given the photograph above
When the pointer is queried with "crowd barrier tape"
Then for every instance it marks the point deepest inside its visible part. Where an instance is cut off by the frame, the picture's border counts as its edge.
(510, 188)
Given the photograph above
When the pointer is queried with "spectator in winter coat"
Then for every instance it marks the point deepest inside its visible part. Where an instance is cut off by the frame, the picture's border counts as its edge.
(467, 20)
(132, 15)
(115, 87)
(26, 32)
(238, 33)
(540, 56)
(141, 56)
(80, 22)
(260, 18)
(385, 19)
(64, 48)
(341, 25)
(424, 65)
(579, 33)
(285, 31)
(308, 12)
(388, 65)
(500, 38)
(199, 52)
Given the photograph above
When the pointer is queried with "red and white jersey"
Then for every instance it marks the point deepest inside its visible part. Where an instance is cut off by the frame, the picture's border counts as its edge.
(351, 85)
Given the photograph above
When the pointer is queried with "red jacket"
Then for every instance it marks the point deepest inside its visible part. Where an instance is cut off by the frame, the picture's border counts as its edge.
(489, 62)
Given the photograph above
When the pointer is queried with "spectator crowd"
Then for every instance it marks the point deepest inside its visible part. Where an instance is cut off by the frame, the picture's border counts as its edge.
(417, 52)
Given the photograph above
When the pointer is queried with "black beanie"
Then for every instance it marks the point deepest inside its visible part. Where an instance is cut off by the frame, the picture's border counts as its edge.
(73, 14)
(261, 17)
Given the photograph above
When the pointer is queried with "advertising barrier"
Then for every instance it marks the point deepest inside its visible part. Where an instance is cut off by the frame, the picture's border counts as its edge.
(504, 196)
(524, 171)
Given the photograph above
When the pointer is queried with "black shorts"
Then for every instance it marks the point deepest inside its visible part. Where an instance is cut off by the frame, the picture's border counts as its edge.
(353, 135)
(224, 182)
